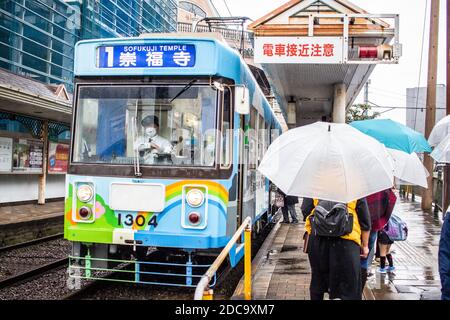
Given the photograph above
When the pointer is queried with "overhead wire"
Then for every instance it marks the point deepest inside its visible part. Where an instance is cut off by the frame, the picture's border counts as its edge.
(215, 8)
(228, 9)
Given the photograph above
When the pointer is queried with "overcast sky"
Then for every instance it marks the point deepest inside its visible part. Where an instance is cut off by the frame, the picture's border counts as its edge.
(388, 82)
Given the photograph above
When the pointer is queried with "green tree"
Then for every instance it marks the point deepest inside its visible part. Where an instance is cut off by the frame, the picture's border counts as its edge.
(360, 112)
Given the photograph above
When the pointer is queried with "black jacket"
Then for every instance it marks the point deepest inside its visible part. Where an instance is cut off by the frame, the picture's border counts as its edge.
(288, 200)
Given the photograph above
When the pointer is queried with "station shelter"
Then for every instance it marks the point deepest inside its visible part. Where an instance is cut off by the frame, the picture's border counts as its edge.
(318, 54)
(34, 139)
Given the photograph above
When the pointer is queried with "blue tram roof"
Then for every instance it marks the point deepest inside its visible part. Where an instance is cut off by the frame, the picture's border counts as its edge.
(213, 57)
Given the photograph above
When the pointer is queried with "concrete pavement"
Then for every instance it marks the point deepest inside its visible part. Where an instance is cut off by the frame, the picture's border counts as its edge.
(416, 260)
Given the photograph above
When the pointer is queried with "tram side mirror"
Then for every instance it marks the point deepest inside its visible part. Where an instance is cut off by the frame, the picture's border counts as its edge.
(242, 100)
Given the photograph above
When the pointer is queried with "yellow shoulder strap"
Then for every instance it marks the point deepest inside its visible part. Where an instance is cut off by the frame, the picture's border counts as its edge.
(316, 202)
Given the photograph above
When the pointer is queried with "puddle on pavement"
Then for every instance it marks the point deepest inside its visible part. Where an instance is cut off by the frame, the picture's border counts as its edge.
(287, 261)
(286, 248)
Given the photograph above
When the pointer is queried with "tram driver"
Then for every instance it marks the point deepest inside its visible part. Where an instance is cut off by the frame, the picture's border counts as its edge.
(151, 145)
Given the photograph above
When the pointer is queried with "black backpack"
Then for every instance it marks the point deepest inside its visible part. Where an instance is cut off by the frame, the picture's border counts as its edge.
(331, 219)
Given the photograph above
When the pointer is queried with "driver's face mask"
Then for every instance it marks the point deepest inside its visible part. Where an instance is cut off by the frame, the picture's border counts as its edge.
(151, 132)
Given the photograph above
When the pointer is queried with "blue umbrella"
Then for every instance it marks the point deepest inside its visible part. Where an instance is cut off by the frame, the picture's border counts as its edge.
(393, 135)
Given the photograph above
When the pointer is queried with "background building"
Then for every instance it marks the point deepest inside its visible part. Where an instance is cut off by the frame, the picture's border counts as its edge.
(37, 39)
(417, 97)
(194, 10)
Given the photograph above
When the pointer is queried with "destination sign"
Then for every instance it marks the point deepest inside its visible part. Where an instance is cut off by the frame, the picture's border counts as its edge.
(147, 56)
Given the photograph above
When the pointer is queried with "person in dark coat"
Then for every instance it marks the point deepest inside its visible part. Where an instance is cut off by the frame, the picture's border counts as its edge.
(289, 207)
(444, 258)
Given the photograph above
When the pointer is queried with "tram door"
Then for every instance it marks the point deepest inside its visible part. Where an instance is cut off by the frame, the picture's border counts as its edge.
(241, 172)
(249, 166)
(261, 196)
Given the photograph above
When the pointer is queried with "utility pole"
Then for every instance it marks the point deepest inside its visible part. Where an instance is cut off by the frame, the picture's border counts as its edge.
(430, 118)
(445, 200)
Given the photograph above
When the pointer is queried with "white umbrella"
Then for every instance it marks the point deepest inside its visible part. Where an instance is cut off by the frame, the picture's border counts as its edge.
(440, 131)
(442, 152)
(408, 168)
(329, 161)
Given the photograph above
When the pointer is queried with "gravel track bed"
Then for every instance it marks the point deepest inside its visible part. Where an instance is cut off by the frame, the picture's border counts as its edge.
(52, 285)
(22, 259)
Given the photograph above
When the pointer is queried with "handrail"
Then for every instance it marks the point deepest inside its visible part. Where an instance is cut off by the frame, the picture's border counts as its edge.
(200, 291)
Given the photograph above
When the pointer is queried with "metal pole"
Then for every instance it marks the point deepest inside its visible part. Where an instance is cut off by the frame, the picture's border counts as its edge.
(43, 176)
(430, 118)
(366, 92)
(206, 278)
(445, 200)
(248, 263)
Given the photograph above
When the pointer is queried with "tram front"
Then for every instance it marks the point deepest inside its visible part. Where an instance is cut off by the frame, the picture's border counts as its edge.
(151, 154)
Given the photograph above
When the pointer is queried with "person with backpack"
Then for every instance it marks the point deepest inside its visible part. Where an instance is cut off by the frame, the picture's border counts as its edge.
(337, 237)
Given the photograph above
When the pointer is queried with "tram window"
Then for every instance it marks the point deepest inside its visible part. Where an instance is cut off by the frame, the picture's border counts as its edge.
(159, 125)
(267, 137)
(226, 131)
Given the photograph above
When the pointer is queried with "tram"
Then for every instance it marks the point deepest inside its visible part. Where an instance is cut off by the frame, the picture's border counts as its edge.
(167, 133)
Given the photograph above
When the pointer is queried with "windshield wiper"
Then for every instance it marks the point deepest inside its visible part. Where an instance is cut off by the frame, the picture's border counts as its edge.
(137, 169)
(184, 89)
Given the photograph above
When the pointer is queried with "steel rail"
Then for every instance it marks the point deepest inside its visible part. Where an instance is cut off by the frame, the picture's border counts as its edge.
(33, 273)
(31, 242)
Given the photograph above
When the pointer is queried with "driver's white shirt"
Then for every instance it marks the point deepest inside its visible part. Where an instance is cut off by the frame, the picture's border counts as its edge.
(164, 145)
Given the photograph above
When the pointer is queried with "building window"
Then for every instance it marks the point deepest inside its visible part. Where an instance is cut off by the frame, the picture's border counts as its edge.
(192, 8)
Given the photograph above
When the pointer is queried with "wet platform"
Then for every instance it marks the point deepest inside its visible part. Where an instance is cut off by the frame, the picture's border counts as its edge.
(281, 270)
(26, 222)
(30, 212)
(416, 260)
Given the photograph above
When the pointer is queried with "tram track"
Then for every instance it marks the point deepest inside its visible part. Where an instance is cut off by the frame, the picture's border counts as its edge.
(50, 280)
(227, 280)
(31, 256)
(33, 273)
(31, 242)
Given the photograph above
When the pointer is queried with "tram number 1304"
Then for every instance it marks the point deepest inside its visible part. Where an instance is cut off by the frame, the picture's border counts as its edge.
(139, 220)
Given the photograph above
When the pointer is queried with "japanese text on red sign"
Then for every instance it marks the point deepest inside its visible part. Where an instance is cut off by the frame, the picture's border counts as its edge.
(299, 50)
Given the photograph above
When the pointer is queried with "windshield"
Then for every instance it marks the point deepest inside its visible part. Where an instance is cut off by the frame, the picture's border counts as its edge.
(157, 125)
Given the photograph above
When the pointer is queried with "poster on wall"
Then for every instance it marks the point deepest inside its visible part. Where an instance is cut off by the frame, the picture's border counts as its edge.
(6, 147)
(58, 157)
(28, 155)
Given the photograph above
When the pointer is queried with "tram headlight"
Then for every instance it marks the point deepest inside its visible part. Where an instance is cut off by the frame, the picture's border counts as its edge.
(195, 198)
(85, 193)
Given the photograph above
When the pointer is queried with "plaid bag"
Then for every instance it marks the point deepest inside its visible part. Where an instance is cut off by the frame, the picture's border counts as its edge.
(396, 229)
(279, 200)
